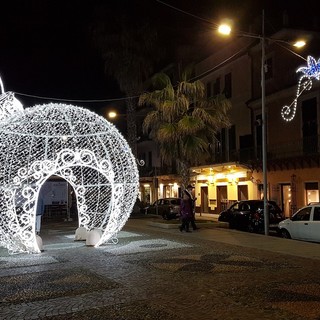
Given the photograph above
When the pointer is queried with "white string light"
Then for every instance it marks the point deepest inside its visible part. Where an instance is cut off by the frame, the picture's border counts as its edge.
(312, 71)
(70, 142)
(9, 105)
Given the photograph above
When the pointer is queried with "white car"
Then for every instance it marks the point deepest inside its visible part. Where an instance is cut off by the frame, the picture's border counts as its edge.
(303, 225)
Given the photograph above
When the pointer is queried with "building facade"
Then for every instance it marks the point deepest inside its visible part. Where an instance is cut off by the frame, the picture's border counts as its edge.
(235, 169)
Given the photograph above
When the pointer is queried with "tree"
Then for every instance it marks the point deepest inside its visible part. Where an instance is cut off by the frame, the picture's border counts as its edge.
(183, 121)
(129, 54)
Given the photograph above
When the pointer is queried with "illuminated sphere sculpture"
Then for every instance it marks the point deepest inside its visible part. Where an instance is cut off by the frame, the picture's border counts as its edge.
(72, 143)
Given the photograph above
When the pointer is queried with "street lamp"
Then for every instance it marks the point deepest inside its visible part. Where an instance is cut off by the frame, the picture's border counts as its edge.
(112, 114)
(226, 30)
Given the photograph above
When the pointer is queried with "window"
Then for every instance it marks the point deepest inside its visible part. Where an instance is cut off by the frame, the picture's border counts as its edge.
(209, 89)
(235, 207)
(142, 156)
(228, 85)
(150, 159)
(213, 88)
(220, 145)
(258, 137)
(312, 192)
(223, 144)
(245, 207)
(268, 71)
(216, 87)
(310, 125)
(232, 143)
(302, 215)
(316, 214)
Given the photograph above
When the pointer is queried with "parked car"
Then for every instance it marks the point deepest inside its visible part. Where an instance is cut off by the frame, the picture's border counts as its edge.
(248, 215)
(168, 208)
(303, 225)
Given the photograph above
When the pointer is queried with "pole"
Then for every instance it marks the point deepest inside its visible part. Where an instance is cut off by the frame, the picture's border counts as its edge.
(264, 133)
(156, 189)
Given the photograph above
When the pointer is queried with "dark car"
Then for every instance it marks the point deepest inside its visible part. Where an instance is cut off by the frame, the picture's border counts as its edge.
(168, 208)
(248, 215)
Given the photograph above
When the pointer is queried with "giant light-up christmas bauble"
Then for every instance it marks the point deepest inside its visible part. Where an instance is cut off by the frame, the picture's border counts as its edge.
(72, 143)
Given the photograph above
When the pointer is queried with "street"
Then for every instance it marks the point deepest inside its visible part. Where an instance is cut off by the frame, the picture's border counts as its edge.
(162, 273)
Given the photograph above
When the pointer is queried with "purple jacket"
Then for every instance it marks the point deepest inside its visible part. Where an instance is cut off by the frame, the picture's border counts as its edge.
(186, 205)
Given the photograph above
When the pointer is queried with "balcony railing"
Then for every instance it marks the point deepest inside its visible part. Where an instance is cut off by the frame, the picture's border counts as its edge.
(305, 148)
(159, 171)
(290, 152)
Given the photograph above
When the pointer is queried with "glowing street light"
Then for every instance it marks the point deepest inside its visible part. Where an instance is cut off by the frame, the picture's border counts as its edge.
(112, 114)
(299, 44)
(224, 29)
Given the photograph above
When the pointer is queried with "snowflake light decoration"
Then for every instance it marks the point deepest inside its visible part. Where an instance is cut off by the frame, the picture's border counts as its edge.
(72, 143)
(312, 71)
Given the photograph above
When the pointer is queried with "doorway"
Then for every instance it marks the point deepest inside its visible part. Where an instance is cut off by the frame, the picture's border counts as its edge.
(286, 199)
(243, 192)
(204, 200)
(222, 198)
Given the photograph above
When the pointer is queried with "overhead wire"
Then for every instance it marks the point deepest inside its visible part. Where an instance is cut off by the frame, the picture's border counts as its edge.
(121, 98)
(75, 100)
(137, 96)
(187, 13)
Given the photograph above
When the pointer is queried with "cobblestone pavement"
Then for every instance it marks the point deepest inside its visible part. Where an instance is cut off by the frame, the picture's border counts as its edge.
(155, 273)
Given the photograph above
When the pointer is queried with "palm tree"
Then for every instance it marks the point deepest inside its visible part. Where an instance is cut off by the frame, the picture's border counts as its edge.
(129, 54)
(183, 121)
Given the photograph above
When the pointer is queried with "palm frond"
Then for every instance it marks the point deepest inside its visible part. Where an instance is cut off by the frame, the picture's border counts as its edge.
(195, 145)
(161, 80)
(167, 133)
(190, 125)
(187, 73)
(155, 98)
(151, 121)
(194, 90)
(182, 104)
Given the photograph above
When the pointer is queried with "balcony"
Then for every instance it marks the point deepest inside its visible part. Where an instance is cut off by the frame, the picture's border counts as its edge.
(303, 153)
(299, 154)
(159, 171)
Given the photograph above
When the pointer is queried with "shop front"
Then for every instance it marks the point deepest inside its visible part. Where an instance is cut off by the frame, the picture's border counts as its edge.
(219, 186)
(152, 189)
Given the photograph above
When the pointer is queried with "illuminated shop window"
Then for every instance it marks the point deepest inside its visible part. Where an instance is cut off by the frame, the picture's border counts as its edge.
(312, 192)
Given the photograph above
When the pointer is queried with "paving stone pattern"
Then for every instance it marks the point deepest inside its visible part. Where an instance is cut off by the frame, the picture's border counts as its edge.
(156, 274)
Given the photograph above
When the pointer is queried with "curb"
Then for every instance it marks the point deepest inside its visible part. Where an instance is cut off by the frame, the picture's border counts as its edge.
(164, 225)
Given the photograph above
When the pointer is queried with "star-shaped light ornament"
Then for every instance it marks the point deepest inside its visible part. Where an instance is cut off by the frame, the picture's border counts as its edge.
(310, 72)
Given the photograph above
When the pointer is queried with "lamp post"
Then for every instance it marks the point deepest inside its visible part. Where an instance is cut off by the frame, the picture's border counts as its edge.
(264, 132)
(226, 30)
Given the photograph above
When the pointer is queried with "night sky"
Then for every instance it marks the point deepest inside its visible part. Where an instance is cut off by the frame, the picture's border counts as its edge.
(46, 47)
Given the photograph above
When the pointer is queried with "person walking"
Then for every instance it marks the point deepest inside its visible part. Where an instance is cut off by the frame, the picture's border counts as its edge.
(192, 200)
(187, 210)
